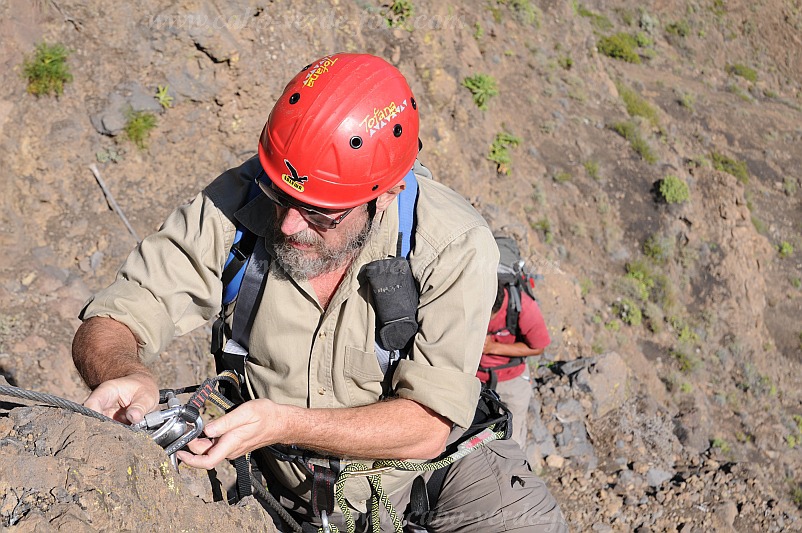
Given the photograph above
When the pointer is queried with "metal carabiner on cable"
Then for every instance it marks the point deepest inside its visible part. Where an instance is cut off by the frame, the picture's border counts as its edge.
(174, 427)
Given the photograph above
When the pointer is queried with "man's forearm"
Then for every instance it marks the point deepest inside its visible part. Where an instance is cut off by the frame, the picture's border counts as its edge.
(104, 349)
(397, 428)
(517, 349)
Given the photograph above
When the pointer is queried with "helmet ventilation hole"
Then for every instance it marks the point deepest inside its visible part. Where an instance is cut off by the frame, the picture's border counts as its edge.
(414, 103)
(397, 130)
(375, 187)
(356, 142)
(306, 67)
(294, 98)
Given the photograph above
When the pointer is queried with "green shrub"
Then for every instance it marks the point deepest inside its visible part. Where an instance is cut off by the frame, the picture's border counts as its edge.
(47, 71)
(499, 151)
(164, 98)
(658, 249)
(722, 445)
(562, 176)
(620, 46)
(732, 167)
(629, 131)
(139, 126)
(525, 10)
(680, 28)
(628, 312)
(565, 62)
(398, 13)
(743, 71)
(482, 87)
(545, 226)
(674, 190)
(637, 106)
(686, 363)
(600, 22)
(592, 168)
(785, 249)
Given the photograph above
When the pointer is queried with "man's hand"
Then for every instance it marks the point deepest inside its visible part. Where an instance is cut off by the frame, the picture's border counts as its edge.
(252, 425)
(127, 399)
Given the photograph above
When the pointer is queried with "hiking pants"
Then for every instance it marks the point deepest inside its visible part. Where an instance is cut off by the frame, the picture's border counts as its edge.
(490, 490)
(516, 393)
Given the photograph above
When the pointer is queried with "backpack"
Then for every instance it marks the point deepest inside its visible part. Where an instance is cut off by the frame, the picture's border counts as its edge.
(515, 277)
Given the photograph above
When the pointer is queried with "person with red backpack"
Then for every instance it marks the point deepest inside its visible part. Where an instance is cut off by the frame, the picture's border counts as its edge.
(361, 291)
(503, 366)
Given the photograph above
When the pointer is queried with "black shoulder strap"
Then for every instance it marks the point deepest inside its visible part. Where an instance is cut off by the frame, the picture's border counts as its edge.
(513, 308)
(250, 291)
(241, 250)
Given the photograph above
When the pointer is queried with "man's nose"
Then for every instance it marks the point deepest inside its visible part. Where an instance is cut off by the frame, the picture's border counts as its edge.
(293, 222)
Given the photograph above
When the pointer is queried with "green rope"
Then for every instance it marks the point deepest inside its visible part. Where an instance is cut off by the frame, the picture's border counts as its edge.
(374, 479)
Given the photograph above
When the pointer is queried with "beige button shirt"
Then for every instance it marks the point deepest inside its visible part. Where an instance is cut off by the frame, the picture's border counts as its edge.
(301, 354)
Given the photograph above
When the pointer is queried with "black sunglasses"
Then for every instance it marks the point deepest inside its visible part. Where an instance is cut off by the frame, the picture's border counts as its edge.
(315, 216)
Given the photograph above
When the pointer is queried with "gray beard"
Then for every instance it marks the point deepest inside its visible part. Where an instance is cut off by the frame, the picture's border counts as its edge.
(300, 265)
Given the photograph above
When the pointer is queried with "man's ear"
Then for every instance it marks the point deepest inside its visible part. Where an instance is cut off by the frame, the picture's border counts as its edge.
(383, 201)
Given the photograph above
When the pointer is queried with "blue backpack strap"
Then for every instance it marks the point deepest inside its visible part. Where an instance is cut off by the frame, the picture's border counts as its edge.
(407, 200)
(237, 260)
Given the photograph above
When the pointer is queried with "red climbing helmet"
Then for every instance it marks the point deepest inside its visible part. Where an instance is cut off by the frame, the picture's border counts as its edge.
(344, 131)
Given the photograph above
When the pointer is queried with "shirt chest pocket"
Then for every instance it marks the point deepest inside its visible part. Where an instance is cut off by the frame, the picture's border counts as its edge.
(363, 377)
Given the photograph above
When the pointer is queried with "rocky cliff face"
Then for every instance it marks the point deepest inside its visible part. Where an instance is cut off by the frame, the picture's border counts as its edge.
(669, 399)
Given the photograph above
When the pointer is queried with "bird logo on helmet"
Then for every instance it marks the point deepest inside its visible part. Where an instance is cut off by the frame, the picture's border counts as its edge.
(351, 135)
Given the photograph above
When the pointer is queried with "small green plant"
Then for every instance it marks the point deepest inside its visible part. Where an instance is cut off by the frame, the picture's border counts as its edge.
(742, 71)
(525, 11)
(685, 387)
(562, 176)
(731, 166)
(796, 496)
(613, 325)
(620, 46)
(637, 106)
(478, 31)
(592, 168)
(139, 126)
(796, 283)
(785, 249)
(565, 62)
(628, 312)
(686, 363)
(482, 87)
(47, 71)
(681, 28)
(687, 100)
(499, 151)
(721, 445)
(658, 249)
(629, 131)
(759, 225)
(674, 190)
(585, 286)
(398, 13)
(165, 100)
(104, 156)
(789, 186)
(599, 22)
(545, 226)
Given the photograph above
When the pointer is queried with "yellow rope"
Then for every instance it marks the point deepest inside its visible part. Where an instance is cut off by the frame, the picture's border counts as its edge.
(378, 495)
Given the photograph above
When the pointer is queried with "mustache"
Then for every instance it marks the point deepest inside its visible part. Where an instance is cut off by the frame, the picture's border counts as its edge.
(304, 237)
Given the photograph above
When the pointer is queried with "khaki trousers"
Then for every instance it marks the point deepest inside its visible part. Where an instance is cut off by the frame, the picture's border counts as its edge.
(490, 490)
(516, 393)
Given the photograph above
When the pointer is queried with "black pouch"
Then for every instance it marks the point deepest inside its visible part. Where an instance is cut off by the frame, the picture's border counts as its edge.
(395, 295)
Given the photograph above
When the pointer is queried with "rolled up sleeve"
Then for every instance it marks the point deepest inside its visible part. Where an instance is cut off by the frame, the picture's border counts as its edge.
(457, 289)
(170, 284)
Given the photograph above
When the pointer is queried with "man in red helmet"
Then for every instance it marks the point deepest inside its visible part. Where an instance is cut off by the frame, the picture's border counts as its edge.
(321, 373)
